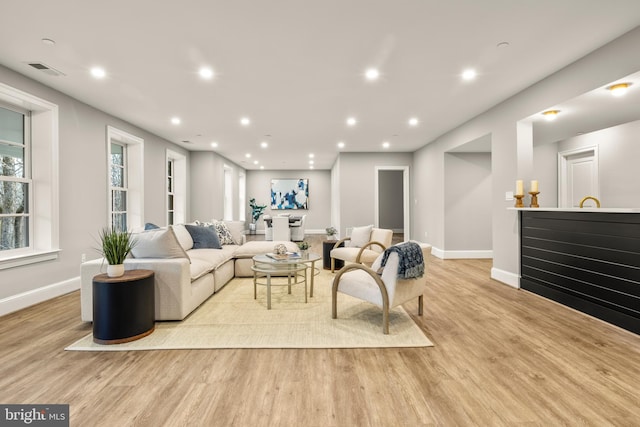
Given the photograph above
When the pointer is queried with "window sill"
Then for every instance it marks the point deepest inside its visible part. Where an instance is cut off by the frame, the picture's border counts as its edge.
(28, 258)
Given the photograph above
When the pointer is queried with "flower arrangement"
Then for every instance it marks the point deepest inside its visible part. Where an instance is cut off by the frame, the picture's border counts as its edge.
(303, 246)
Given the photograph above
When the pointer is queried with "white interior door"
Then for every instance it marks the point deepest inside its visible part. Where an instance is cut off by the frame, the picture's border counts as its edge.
(578, 176)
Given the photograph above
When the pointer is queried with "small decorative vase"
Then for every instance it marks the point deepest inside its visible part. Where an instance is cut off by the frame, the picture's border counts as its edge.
(252, 226)
(304, 253)
(116, 270)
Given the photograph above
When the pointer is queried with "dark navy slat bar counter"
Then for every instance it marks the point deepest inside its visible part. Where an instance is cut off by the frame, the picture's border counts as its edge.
(587, 260)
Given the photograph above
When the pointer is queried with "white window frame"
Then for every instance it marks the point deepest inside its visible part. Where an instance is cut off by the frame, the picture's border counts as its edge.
(179, 186)
(124, 187)
(228, 193)
(44, 167)
(242, 197)
(135, 176)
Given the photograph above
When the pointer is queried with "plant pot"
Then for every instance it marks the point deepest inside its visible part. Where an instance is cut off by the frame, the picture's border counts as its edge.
(116, 270)
(252, 226)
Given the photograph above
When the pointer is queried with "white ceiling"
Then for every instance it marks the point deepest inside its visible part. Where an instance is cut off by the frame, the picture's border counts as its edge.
(295, 68)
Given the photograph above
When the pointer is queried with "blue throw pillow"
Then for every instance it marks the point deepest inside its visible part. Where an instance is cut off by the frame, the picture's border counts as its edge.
(150, 226)
(203, 237)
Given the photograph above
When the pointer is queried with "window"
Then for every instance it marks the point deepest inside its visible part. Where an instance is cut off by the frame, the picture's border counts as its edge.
(228, 193)
(15, 179)
(242, 198)
(28, 178)
(118, 184)
(170, 191)
(176, 187)
(126, 173)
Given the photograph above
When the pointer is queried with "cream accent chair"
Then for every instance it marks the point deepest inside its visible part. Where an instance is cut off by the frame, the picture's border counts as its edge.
(280, 226)
(359, 250)
(384, 290)
(297, 231)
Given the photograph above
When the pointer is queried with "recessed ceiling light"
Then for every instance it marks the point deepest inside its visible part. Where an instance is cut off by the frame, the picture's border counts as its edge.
(245, 121)
(340, 144)
(48, 42)
(311, 167)
(311, 162)
(619, 89)
(551, 115)
(175, 120)
(311, 155)
(261, 167)
(98, 72)
(264, 144)
(372, 74)
(255, 162)
(385, 144)
(351, 121)
(469, 74)
(214, 144)
(206, 73)
(248, 155)
(413, 121)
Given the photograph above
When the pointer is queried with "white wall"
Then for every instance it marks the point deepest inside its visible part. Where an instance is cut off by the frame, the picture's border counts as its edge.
(207, 186)
(545, 166)
(607, 64)
(467, 203)
(83, 193)
(618, 152)
(357, 189)
(319, 212)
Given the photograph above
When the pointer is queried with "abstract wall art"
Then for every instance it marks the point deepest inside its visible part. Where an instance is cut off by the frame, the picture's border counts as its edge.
(288, 193)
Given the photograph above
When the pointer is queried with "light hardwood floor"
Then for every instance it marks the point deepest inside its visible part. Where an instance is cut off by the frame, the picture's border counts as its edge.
(501, 357)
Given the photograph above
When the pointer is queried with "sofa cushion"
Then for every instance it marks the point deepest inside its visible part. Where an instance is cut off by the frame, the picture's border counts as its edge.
(203, 237)
(360, 236)
(161, 243)
(184, 238)
(199, 268)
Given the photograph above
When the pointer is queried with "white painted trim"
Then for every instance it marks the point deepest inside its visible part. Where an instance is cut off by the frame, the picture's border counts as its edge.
(179, 187)
(477, 254)
(27, 258)
(506, 277)
(36, 296)
(405, 196)
(562, 173)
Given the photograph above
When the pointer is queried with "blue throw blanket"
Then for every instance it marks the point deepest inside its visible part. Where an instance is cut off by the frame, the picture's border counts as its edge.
(411, 262)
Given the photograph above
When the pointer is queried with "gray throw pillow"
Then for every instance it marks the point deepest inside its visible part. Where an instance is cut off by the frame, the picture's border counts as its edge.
(203, 237)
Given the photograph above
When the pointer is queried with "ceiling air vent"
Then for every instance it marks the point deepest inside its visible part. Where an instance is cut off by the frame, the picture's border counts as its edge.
(46, 69)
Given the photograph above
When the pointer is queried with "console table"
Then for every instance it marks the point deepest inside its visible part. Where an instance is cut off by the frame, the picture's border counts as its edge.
(123, 307)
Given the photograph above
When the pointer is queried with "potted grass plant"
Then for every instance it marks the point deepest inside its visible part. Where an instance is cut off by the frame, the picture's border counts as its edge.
(115, 246)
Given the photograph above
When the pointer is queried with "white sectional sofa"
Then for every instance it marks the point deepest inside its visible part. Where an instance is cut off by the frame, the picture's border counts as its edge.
(184, 276)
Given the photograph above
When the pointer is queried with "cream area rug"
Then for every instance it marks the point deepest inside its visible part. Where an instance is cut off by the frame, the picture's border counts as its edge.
(231, 318)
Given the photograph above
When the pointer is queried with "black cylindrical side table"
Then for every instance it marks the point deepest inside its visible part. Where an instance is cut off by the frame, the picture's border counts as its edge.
(123, 307)
(327, 245)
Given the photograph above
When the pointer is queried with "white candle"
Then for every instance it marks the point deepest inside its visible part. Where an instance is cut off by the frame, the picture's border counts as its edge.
(519, 188)
(534, 186)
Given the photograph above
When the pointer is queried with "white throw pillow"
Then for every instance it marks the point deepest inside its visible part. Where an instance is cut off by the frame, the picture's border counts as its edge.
(360, 236)
(183, 236)
(161, 243)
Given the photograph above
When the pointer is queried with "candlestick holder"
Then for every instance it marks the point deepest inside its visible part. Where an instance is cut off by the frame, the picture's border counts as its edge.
(519, 198)
(534, 199)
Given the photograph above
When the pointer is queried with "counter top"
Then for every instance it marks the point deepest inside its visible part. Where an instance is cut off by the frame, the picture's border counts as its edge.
(590, 209)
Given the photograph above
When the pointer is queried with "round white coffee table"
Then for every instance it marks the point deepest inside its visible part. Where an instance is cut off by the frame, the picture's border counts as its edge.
(270, 269)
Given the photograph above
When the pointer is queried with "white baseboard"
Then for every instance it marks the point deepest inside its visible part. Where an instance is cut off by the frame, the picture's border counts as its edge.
(35, 296)
(506, 277)
(461, 254)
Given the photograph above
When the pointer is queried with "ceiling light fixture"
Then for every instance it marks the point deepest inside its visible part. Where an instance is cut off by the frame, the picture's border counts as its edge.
(385, 144)
(214, 144)
(176, 120)
(255, 162)
(619, 89)
(98, 72)
(311, 155)
(206, 73)
(311, 162)
(551, 115)
(372, 74)
(413, 121)
(311, 167)
(245, 121)
(261, 167)
(340, 144)
(248, 155)
(264, 144)
(469, 74)
(351, 121)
